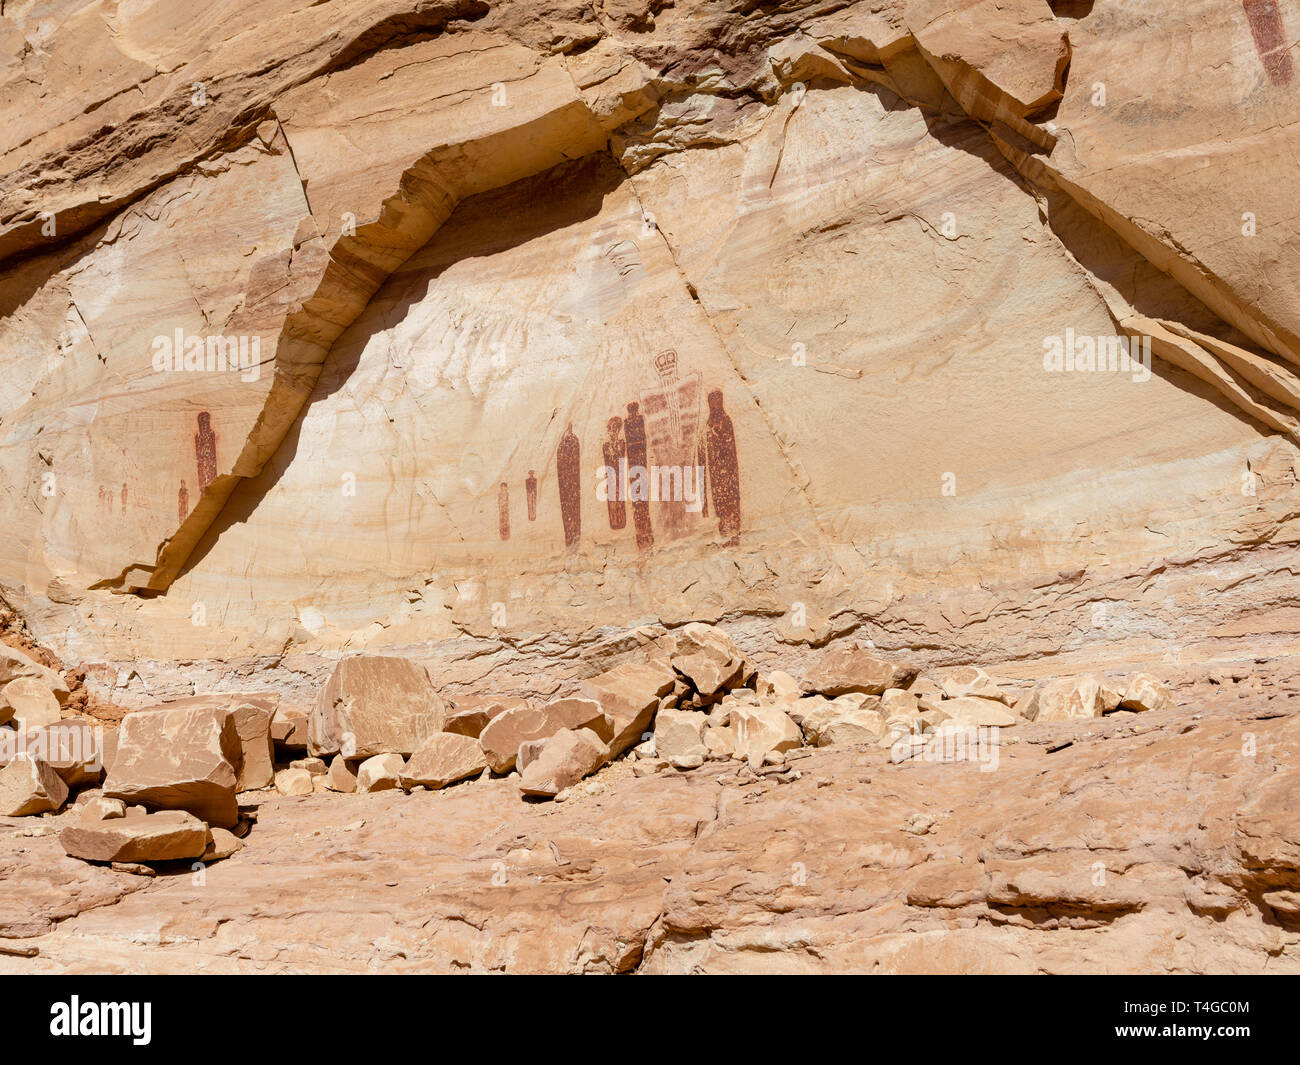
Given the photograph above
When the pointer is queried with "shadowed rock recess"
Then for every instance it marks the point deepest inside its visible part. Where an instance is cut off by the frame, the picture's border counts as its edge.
(712, 487)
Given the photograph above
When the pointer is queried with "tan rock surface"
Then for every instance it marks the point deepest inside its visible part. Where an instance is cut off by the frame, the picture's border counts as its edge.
(443, 759)
(183, 759)
(29, 704)
(375, 705)
(167, 835)
(687, 872)
(565, 758)
(502, 736)
(30, 786)
(381, 772)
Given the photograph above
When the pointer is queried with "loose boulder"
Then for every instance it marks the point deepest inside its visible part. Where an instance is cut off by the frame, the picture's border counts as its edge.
(30, 786)
(14, 664)
(971, 681)
(679, 738)
(1145, 692)
(1069, 698)
(853, 669)
(179, 759)
(29, 703)
(469, 716)
(294, 782)
(762, 730)
(629, 696)
(381, 772)
(77, 750)
(442, 759)
(502, 736)
(257, 767)
(971, 711)
(138, 837)
(340, 777)
(375, 705)
(565, 759)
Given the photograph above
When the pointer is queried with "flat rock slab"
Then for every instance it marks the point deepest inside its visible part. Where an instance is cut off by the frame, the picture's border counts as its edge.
(181, 759)
(168, 835)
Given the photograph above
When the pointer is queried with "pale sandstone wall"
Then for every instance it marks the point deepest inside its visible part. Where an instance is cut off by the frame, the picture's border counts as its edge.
(457, 231)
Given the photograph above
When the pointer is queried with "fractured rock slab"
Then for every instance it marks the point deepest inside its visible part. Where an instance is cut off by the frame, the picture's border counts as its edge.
(470, 715)
(679, 737)
(373, 705)
(1146, 692)
(842, 670)
(30, 786)
(29, 703)
(381, 772)
(629, 695)
(501, 738)
(565, 759)
(442, 759)
(180, 759)
(168, 835)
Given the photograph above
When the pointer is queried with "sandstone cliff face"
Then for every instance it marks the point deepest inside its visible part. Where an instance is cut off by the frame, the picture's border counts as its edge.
(474, 252)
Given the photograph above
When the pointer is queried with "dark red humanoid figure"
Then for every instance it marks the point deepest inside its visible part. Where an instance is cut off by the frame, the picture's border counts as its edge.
(183, 501)
(615, 451)
(205, 450)
(503, 511)
(568, 459)
(530, 493)
(638, 464)
(724, 471)
(1270, 39)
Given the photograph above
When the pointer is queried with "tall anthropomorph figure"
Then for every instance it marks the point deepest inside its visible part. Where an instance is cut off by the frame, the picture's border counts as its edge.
(530, 493)
(503, 511)
(568, 460)
(183, 501)
(637, 461)
(615, 451)
(724, 470)
(1271, 42)
(205, 450)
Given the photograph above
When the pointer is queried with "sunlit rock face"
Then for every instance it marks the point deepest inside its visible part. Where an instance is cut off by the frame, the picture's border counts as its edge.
(535, 325)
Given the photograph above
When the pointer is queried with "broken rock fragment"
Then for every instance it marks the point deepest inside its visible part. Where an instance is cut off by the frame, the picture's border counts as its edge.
(853, 669)
(77, 750)
(1068, 699)
(470, 715)
(29, 703)
(679, 738)
(971, 681)
(442, 759)
(30, 786)
(1145, 692)
(971, 711)
(374, 705)
(382, 772)
(762, 730)
(294, 782)
(503, 735)
(565, 759)
(340, 777)
(179, 759)
(14, 664)
(629, 695)
(138, 837)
